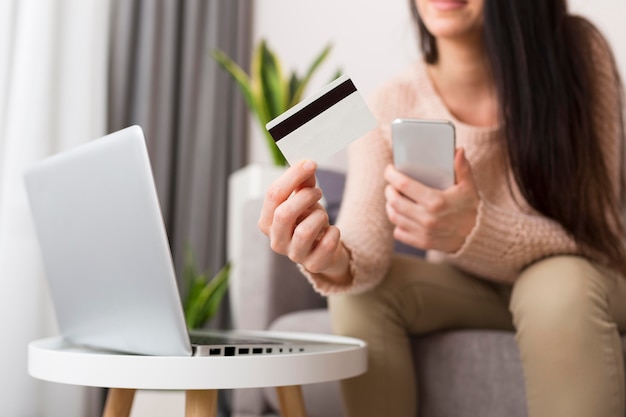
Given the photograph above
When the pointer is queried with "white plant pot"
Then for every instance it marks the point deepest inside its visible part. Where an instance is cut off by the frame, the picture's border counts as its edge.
(248, 183)
(245, 184)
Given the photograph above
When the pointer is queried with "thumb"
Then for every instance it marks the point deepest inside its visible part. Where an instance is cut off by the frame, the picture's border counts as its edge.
(463, 168)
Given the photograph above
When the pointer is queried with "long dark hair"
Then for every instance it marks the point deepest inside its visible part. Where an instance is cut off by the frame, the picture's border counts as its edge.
(541, 61)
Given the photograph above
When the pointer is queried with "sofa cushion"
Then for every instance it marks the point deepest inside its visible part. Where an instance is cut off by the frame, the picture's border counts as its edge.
(475, 370)
(461, 373)
(332, 185)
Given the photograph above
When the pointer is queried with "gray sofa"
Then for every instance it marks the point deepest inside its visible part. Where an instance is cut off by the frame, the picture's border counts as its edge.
(460, 373)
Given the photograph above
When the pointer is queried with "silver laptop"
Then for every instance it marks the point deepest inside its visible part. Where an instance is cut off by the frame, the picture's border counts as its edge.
(107, 258)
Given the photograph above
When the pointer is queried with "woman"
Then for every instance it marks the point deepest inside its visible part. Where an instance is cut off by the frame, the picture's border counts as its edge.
(530, 238)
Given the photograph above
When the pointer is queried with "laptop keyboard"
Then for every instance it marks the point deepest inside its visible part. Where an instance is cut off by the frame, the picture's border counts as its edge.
(226, 345)
(207, 339)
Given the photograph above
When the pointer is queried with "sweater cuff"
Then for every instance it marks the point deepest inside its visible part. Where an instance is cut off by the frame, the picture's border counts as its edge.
(326, 287)
(485, 243)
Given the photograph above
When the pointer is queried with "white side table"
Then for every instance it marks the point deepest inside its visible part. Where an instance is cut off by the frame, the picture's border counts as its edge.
(55, 360)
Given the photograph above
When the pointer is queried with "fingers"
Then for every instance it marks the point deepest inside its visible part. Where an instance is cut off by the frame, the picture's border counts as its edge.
(295, 178)
(307, 239)
(290, 213)
(416, 219)
(321, 256)
(429, 198)
(429, 218)
(307, 235)
(414, 190)
(432, 220)
(296, 223)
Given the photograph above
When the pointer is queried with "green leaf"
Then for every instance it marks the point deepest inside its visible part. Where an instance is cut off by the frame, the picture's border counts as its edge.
(297, 96)
(273, 85)
(263, 113)
(277, 156)
(294, 84)
(204, 295)
(241, 78)
(218, 290)
(189, 276)
(206, 303)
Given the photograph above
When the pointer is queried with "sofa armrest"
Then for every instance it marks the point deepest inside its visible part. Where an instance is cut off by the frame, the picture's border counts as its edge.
(263, 284)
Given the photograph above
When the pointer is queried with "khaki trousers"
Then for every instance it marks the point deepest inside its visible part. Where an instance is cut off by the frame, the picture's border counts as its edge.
(565, 311)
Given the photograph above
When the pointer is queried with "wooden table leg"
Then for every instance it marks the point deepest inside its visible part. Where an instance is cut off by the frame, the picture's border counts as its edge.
(201, 403)
(291, 401)
(119, 402)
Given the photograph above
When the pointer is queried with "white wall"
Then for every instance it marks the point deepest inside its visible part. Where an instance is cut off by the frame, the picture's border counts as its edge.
(609, 16)
(372, 39)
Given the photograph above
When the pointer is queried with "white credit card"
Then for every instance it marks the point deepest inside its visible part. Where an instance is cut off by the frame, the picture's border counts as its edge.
(323, 123)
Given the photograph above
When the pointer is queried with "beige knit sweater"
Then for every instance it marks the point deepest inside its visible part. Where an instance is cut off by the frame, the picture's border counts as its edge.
(508, 234)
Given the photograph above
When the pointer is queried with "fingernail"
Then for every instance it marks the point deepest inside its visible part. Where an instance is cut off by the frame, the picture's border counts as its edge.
(308, 165)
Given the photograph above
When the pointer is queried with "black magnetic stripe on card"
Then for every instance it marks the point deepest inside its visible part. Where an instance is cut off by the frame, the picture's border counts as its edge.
(312, 110)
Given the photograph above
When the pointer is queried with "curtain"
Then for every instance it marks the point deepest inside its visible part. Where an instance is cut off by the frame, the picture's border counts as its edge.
(52, 97)
(163, 78)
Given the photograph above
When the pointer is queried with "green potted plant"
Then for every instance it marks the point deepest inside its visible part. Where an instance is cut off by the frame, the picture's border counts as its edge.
(204, 294)
(268, 90)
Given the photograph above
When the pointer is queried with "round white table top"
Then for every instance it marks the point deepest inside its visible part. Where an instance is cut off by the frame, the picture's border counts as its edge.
(53, 359)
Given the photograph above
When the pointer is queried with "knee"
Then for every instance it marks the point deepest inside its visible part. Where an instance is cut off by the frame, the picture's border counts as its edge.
(558, 295)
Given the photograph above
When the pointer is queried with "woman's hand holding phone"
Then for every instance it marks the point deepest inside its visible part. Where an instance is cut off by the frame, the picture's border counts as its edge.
(297, 224)
(429, 218)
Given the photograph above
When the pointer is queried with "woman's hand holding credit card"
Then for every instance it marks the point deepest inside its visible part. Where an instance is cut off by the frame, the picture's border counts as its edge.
(292, 216)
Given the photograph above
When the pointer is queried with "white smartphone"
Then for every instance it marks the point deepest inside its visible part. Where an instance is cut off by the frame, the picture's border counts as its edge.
(424, 150)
